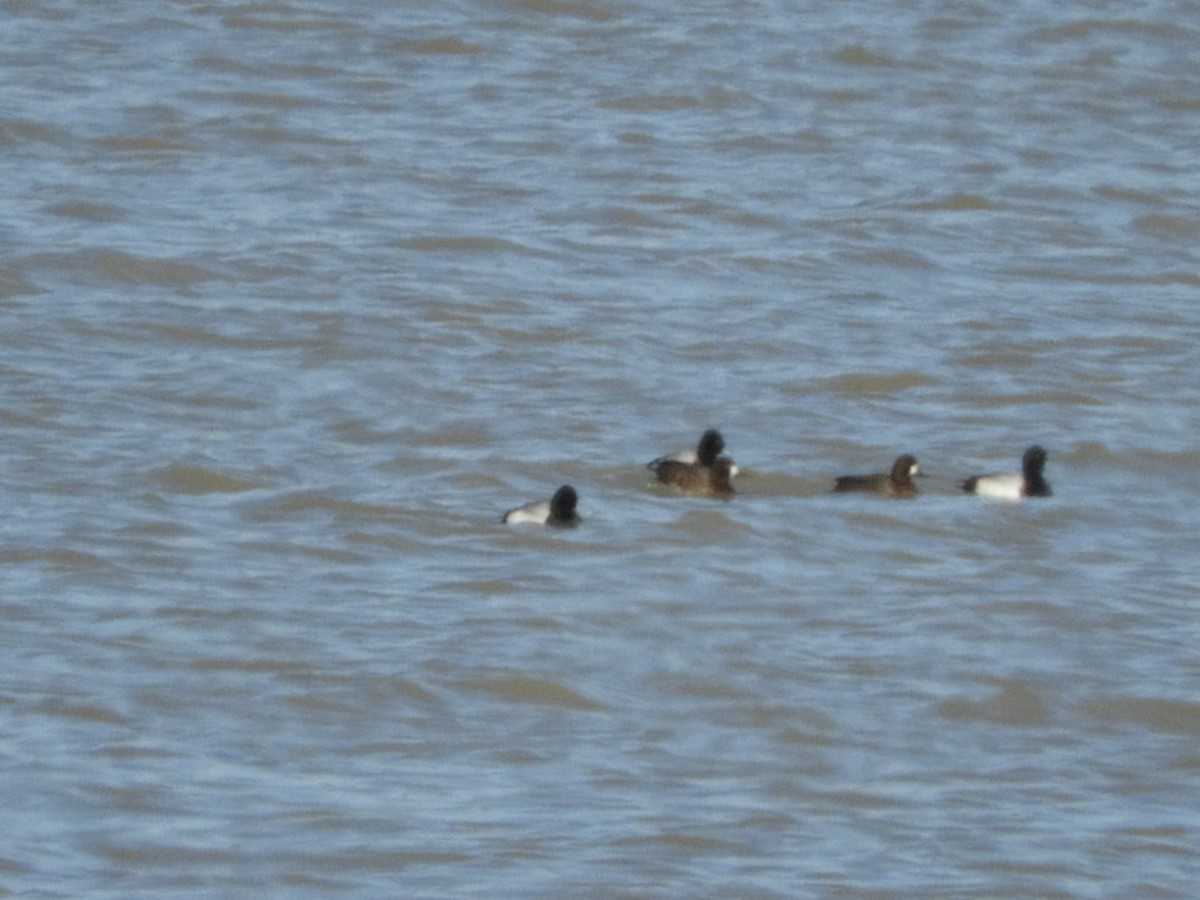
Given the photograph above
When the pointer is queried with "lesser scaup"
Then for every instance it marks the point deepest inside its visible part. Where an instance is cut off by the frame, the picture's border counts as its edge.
(1014, 486)
(710, 447)
(697, 479)
(558, 510)
(898, 483)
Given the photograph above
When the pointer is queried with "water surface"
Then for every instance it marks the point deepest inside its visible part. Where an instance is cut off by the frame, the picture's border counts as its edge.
(298, 298)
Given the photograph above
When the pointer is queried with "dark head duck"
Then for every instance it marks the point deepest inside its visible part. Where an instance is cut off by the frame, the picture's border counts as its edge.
(559, 510)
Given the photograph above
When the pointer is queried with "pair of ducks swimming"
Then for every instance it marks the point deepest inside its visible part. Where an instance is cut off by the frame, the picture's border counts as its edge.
(1029, 482)
(705, 471)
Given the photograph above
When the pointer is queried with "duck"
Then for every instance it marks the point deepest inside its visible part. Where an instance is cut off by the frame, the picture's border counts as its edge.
(1029, 482)
(897, 483)
(694, 478)
(711, 446)
(558, 511)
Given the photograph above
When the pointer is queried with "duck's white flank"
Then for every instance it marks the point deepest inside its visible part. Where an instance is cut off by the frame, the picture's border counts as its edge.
(1010, 486)
(530, 514)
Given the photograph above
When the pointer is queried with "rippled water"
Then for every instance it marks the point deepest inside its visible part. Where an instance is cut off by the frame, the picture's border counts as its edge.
(298, 298)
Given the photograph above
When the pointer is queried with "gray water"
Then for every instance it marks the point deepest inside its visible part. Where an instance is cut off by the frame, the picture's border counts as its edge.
(297, 298)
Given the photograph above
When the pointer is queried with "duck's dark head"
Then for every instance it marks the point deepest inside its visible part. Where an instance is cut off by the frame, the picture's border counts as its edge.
(1033, 461)
(905, 468)
(710, 447)
(562, 505)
